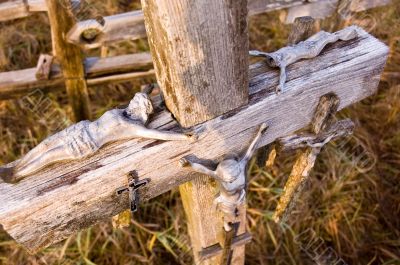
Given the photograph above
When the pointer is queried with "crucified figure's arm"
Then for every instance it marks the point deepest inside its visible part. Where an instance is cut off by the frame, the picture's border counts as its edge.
(253, 146)
(199, 168)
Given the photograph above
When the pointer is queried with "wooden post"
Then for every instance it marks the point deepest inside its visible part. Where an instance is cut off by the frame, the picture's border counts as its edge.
(302, 29)
(70, 57)
(200, 53)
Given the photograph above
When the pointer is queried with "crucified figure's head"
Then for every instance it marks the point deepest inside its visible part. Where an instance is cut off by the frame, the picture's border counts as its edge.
(140, 108)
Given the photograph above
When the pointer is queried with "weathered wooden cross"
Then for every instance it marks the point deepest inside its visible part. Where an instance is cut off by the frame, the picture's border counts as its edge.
(200, 54)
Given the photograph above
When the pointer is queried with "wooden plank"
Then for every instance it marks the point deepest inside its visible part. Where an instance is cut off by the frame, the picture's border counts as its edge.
(98, 71)
(13, 10)
(125, 26)
(186, 49)
(70, 58)
(326, 8)
(64, 198)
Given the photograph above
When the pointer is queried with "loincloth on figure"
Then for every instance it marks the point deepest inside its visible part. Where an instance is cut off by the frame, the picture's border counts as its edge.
(78, 140)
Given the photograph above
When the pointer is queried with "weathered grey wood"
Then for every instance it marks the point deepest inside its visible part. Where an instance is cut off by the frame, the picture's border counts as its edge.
(187, 51)
(319, 9)
(98, 71)
(70, 58)
(117, 78)
(302, 29)
(325, 8)
(43, 67)
(20, 8)
(62, 199)
(125, 26)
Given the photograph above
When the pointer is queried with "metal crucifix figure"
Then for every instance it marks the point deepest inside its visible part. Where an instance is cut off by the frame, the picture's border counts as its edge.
(307, 49)
(231, 176)
(85, 138)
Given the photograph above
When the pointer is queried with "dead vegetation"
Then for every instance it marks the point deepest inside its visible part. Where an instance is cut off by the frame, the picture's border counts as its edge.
(351, 206)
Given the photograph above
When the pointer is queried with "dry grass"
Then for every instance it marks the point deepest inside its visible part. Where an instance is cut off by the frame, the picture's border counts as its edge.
(351, 208)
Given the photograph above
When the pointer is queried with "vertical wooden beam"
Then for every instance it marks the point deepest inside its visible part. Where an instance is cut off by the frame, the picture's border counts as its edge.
(69, 56)
(302, 29)
(200, 53)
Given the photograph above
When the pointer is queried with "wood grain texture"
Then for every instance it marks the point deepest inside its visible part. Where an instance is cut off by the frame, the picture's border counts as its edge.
(124, 26)
(188, 52)
(98, 71)
(70, 58)
(325, 8)
(16, 9)
(302, 29)
(300, 174)
(64, 198)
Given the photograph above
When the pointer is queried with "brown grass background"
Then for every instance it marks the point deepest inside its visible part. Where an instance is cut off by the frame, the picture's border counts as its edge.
(353, 211)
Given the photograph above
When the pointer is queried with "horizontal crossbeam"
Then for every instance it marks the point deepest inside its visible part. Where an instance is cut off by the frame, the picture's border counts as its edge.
(98, 71)
(63, 198)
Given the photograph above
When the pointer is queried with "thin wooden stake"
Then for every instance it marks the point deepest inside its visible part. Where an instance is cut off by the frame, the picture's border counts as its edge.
(299, 176)
(70, 57)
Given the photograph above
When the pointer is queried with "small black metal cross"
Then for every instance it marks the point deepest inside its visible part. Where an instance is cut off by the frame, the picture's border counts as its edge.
(133, 186)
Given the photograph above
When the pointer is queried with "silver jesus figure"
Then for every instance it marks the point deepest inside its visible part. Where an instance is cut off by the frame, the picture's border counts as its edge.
(85, 138)
(307, 49)
(231, 176)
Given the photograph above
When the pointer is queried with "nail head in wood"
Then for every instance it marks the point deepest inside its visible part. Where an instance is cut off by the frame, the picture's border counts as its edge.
(43, 68)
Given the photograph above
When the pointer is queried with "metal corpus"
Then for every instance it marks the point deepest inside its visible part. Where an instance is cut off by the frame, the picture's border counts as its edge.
(231, 175)
(133, 186)
(84, 138)
(307, 49)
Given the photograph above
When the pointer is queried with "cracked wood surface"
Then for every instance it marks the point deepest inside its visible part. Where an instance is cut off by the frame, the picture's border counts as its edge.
(60, 200)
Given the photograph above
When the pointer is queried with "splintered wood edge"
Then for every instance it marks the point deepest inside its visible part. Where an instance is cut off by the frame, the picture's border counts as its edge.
(62, 199)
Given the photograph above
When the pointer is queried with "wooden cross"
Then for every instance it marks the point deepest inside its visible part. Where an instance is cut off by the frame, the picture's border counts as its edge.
(324, 131)
(205, 86)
